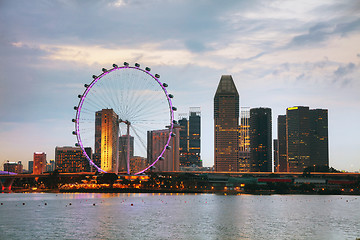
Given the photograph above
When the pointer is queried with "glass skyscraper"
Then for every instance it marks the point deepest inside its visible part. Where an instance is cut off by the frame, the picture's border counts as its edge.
(226, 121)
(260, 140)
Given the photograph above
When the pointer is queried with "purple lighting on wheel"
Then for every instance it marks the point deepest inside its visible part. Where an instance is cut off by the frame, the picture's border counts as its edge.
(83, 97)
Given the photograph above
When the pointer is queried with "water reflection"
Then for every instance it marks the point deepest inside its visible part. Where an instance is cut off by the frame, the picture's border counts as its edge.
(178, 216)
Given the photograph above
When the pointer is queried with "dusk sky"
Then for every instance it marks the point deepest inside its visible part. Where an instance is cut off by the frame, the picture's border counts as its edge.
(279, 53)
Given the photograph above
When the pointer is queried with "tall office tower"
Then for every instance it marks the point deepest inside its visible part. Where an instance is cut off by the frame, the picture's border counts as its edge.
(307, 138)
(260, 140)
(39, 163)
(282, 165)
(72, 159)
(156, 140)
(184, 140)
(123, 149)
(106, 139)
(190, 138)
(276, 155)
(226, 120)
(298, 138)
(194, 136)
(244, 141)
(319, 151)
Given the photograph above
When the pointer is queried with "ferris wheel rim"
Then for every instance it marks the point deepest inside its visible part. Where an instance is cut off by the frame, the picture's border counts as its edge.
(87, 90)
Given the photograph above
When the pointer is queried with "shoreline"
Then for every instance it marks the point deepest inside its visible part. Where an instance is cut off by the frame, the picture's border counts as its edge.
(219, 192)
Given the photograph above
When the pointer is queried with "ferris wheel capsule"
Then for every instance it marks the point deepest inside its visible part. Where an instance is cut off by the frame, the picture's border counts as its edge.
(157, 75)
(126, 64)
(148, 69)
(137, 65)
(94, 76)
(165, 85)
(171, 96)
(115, 66)
(104, 70)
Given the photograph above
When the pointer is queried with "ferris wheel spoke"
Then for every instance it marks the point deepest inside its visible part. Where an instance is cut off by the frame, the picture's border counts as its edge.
(134, 95)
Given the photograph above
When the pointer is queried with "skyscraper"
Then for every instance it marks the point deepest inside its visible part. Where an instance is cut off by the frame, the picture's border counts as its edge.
(260, 140)
(226, 120)
(194, 136)
(156, 140)
(39, 164)
(244, 141)
(281, 133)
(319, 151)
(190, 134)
(307, 138)
(123, 148)
(106, 139)
(298, 138)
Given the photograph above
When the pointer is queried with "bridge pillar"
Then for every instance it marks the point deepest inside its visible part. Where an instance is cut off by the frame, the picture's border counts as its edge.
(6, 183)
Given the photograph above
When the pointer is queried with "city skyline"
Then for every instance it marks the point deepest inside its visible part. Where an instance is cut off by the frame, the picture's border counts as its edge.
(280, 55)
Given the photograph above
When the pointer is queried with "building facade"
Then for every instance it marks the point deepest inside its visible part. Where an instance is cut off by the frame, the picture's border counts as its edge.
(39, 165)
(106, 139)
(123, 149)
(226, 123)
(14, 167)
(157, 139)
(244, 141)
(281, 161)
(72, 159)
(260, 140)
(306, 138)
(190, 139)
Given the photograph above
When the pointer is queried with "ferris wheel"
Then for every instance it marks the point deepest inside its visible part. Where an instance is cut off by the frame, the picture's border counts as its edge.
(116, 113)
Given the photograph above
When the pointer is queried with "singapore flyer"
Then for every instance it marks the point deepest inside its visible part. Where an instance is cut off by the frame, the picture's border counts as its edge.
(117, 113)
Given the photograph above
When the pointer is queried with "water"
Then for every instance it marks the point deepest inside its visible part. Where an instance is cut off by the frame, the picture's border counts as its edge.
(178, 216)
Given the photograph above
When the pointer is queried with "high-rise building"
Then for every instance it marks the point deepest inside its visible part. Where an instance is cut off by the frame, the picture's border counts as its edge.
(276, 155)
(39, 165)
(244, 141)
(306, 138)
(281, 162)
(123, 149)
(14, 167)
(260, 140)
(190, 132)
(226, 121)
(184, 140)
(156, 140)
(31, 166)
(71, 159)
(106, 139)
(194, 136)
(298, 138)
(319, 149)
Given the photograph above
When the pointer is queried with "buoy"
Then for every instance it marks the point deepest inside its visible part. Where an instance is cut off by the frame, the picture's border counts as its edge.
(132, 204)
(45, 203)
(94, 204)
(23, 203)
(69, 204)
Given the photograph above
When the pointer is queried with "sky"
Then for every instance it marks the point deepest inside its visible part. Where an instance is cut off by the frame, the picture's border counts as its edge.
(279, 53)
